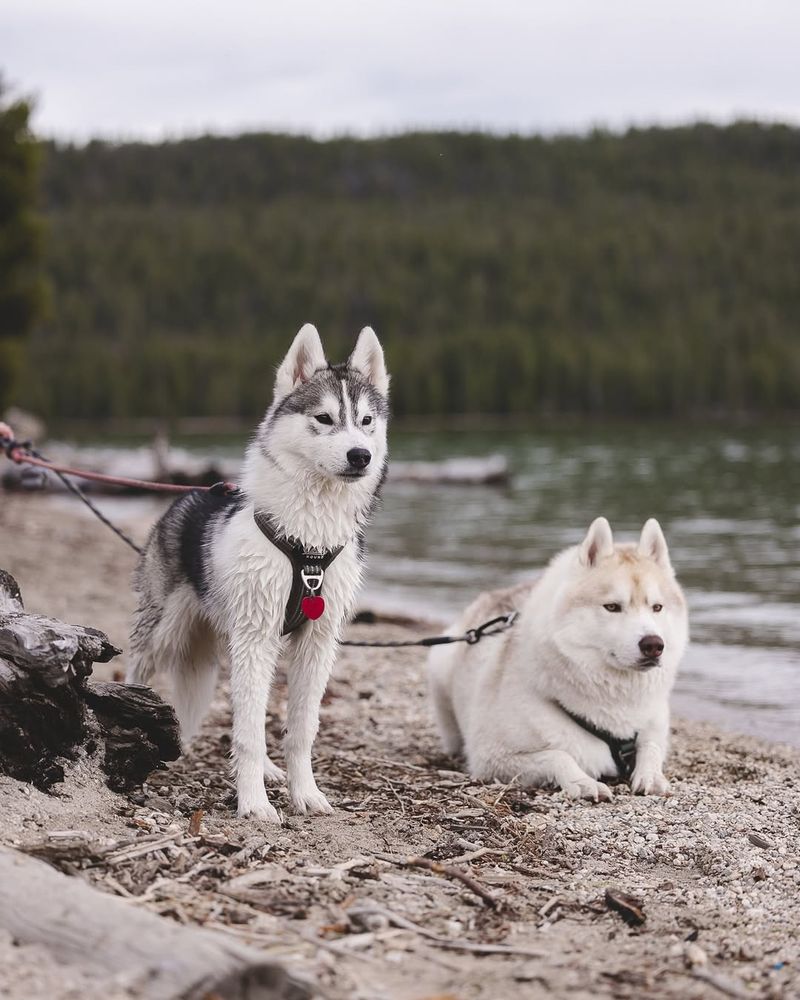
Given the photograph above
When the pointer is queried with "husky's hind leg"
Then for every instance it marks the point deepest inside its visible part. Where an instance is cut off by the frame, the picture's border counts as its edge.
(193, 685)
(173, 638)
(193, 667)
(445, 717)
(446, 722)
(273, 774)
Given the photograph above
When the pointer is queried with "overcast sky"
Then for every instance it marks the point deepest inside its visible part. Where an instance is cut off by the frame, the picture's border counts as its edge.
(159, 68)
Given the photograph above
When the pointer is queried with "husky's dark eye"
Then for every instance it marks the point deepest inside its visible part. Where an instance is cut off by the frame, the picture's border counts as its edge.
(323, 418)
(657, 607)
(613, 608)
(367, 420)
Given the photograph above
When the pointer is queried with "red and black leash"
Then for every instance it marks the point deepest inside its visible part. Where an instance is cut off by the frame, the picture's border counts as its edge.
(22, 453)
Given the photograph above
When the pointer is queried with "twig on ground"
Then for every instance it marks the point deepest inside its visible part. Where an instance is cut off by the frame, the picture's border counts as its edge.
(442, 869)
(148, 846)
(722, 983)
(333, 946)
(455, 944)
(337, 871)
(473, 855)
(503, 791)
(549, 906)
(402, 764)
(393, 790)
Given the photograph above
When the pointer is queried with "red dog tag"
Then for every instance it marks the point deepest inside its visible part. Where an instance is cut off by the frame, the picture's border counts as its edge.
(312, 607)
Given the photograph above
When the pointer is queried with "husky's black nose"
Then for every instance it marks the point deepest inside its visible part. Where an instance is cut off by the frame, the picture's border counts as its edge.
(652, 646)
(358, 458)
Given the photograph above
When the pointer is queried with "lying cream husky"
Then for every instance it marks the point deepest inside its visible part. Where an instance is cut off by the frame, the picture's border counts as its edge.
(579, 688)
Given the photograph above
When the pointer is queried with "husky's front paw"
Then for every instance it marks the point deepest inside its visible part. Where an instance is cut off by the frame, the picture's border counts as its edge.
(649, 781)
(258, 806)
(310, 801)
(273, 774)
(587, 788)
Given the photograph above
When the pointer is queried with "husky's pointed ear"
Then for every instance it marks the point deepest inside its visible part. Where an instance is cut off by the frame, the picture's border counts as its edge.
(653, 545)
(599, 542)
(304, 358)
(367, 358)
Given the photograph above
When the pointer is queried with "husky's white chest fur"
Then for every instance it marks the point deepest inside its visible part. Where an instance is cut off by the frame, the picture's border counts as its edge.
(587, 669)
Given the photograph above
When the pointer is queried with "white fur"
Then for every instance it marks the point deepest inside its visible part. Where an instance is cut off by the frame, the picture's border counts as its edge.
(305, 356)
(254, 579)
(307, 500)
(368, 359)
(499, 699)
(292, 472)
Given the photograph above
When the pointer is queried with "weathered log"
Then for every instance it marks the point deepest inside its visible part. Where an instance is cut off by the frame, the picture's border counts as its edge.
(48, 708)
(129, 946)
(139, 731)
(52, 649)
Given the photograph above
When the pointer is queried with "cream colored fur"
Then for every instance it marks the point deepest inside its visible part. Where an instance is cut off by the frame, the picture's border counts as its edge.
(499, 700)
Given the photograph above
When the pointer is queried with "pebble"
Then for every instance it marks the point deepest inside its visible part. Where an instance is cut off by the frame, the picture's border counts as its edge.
(694, 955)
(528, 972)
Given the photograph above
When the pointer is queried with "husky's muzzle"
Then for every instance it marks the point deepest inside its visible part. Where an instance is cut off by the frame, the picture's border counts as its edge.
(357, 461)
(651, 646)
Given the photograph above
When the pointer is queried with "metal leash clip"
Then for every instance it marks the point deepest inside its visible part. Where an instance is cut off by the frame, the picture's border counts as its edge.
(492, 627)
(312, 579)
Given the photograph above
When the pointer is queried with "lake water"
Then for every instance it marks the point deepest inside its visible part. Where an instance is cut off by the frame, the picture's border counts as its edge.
(729, 503)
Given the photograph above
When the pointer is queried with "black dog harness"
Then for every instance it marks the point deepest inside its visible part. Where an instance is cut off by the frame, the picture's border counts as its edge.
(623, 752)
(308, 573)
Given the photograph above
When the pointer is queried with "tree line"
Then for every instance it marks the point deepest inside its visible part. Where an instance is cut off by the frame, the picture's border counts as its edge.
(651, 273)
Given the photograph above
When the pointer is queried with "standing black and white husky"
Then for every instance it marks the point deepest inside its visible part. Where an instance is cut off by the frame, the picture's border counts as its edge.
(212, 579)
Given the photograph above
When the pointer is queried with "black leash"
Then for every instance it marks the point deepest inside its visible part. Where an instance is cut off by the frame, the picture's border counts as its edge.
(493, 627)
(8, 444)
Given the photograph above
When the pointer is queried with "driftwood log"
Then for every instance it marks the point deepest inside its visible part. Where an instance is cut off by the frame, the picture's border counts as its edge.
(152, 956)
(49, 709)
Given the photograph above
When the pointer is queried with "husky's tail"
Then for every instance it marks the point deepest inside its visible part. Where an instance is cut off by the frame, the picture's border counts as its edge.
(143, 665)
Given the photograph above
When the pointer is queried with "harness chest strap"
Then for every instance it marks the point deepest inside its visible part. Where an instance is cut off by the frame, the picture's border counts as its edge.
(308, 573)
(623, 751)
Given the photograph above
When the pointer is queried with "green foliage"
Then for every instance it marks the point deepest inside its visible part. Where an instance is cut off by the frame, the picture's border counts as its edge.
(651, 273)
(20, 278)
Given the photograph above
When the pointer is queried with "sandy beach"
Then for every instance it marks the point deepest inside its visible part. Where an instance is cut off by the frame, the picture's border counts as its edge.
(345, 900)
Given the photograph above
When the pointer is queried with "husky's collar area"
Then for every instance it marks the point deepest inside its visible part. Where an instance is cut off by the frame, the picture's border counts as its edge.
(623, 751)
(308, 574)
